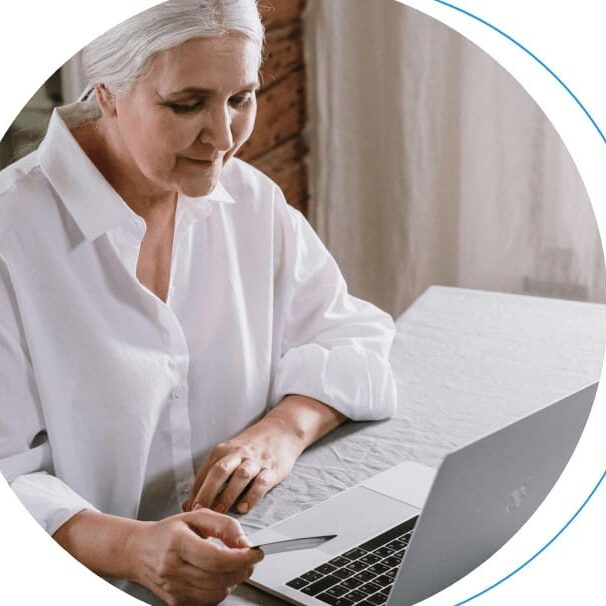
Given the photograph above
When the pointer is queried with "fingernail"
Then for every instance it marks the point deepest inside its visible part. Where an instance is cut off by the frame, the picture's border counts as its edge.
(243, 507)
(243, 540)
(220, 508)
(197, 506)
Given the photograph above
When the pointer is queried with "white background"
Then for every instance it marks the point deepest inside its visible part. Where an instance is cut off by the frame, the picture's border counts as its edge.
(37, 37)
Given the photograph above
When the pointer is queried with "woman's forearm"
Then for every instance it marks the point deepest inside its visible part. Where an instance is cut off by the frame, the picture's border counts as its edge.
(307, 419)
(101, 542)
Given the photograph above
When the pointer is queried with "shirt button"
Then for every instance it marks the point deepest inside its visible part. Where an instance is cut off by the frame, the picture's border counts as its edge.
(180, 392)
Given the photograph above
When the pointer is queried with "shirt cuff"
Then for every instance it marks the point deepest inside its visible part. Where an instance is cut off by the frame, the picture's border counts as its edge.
(49, 500)
(358, 384)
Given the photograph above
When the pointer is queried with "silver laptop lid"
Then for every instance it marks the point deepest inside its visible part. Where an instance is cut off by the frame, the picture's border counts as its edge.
(484, 492)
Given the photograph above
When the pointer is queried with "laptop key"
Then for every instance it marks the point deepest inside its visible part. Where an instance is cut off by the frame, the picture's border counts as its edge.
(377, 598)
(355, 596)
(391, 561)
(392, 572)
(297, 583)
(384, 581)
(370, 558)
(379, 568)
(311, 576)
(330, 599)
(339, 561)
(370, 588)
(351, 583)
(337, 591)
(353, 554)
(326, 568)
(343, 573)
(356, 566)
(365, 576)
(383, 552)
(320, 586)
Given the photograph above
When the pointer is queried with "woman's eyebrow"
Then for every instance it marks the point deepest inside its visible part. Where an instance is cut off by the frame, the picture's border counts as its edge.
(205, 92)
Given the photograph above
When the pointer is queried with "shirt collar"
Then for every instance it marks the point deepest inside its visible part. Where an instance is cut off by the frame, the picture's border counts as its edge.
(92, 202)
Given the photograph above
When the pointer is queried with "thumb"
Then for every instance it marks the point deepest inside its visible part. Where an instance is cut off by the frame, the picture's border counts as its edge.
(208, 523)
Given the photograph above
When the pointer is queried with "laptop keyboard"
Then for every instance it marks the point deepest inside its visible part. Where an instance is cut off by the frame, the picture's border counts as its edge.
(362, 575)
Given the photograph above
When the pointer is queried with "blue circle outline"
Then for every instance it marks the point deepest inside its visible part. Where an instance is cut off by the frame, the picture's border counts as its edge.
(601, 134)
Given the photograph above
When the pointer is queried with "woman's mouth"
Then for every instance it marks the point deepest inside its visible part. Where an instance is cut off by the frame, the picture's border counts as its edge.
(201, 161)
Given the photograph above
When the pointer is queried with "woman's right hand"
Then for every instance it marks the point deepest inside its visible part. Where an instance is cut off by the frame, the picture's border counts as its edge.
(176, 559)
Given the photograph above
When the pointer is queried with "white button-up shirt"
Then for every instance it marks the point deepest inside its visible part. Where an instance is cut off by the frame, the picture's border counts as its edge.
(110, 397)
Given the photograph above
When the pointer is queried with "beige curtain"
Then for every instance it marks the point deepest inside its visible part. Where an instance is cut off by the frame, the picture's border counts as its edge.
(431, 165)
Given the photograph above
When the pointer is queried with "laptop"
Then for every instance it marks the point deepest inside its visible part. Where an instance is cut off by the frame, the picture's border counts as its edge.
(409, 532)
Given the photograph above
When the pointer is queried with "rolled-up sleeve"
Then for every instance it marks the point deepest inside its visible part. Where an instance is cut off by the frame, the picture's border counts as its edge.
(333, 347)
(25, 453)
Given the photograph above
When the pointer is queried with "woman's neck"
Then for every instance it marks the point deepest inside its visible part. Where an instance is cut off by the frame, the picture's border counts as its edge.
(99, 143)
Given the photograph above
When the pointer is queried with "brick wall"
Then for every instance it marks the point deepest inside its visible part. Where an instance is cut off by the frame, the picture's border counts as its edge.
(277, 147)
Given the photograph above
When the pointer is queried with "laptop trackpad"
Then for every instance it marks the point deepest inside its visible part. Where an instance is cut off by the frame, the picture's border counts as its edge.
(354, 515)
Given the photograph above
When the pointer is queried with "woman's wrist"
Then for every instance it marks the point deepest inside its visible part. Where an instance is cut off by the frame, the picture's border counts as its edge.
(133, 548)
(307, 420)
(277, 423)
(108, 545)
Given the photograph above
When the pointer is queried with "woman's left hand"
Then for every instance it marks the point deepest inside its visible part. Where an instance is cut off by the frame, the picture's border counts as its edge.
(243, 469)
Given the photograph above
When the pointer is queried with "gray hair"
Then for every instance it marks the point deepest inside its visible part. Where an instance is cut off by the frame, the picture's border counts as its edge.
(124, 53)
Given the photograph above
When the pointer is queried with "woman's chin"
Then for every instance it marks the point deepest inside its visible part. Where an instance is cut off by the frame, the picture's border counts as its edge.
(198, 188)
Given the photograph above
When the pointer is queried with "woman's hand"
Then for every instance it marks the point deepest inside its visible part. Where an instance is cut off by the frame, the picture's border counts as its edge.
(242, 470)
(177, 561)
(175, 557)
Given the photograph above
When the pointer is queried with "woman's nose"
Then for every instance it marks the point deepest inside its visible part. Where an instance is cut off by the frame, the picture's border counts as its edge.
(217, 130)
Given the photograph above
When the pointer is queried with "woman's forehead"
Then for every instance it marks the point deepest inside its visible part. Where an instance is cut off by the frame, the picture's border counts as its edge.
(223, 62)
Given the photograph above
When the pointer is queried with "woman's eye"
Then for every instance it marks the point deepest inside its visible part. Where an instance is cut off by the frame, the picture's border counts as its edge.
(241, 100)
(185, 108)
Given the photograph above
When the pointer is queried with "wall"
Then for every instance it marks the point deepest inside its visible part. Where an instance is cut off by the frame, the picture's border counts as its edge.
(277, 146)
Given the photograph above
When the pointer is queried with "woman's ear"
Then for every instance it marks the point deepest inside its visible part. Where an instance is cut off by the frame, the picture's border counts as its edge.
(105, 100)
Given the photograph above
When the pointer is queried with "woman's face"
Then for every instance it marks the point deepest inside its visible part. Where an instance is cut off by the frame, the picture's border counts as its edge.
(189, 114)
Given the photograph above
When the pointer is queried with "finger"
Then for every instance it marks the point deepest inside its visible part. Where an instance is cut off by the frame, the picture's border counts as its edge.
(246, 472)
(210, 460)
(203, 554)
(196, 577)
(207, 523)
(177, 589)
(264, 482)
(215, 479)
(192, 595)
(217, 453)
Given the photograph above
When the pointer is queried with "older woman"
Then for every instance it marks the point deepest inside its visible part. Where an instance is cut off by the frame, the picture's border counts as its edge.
(172, 335)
